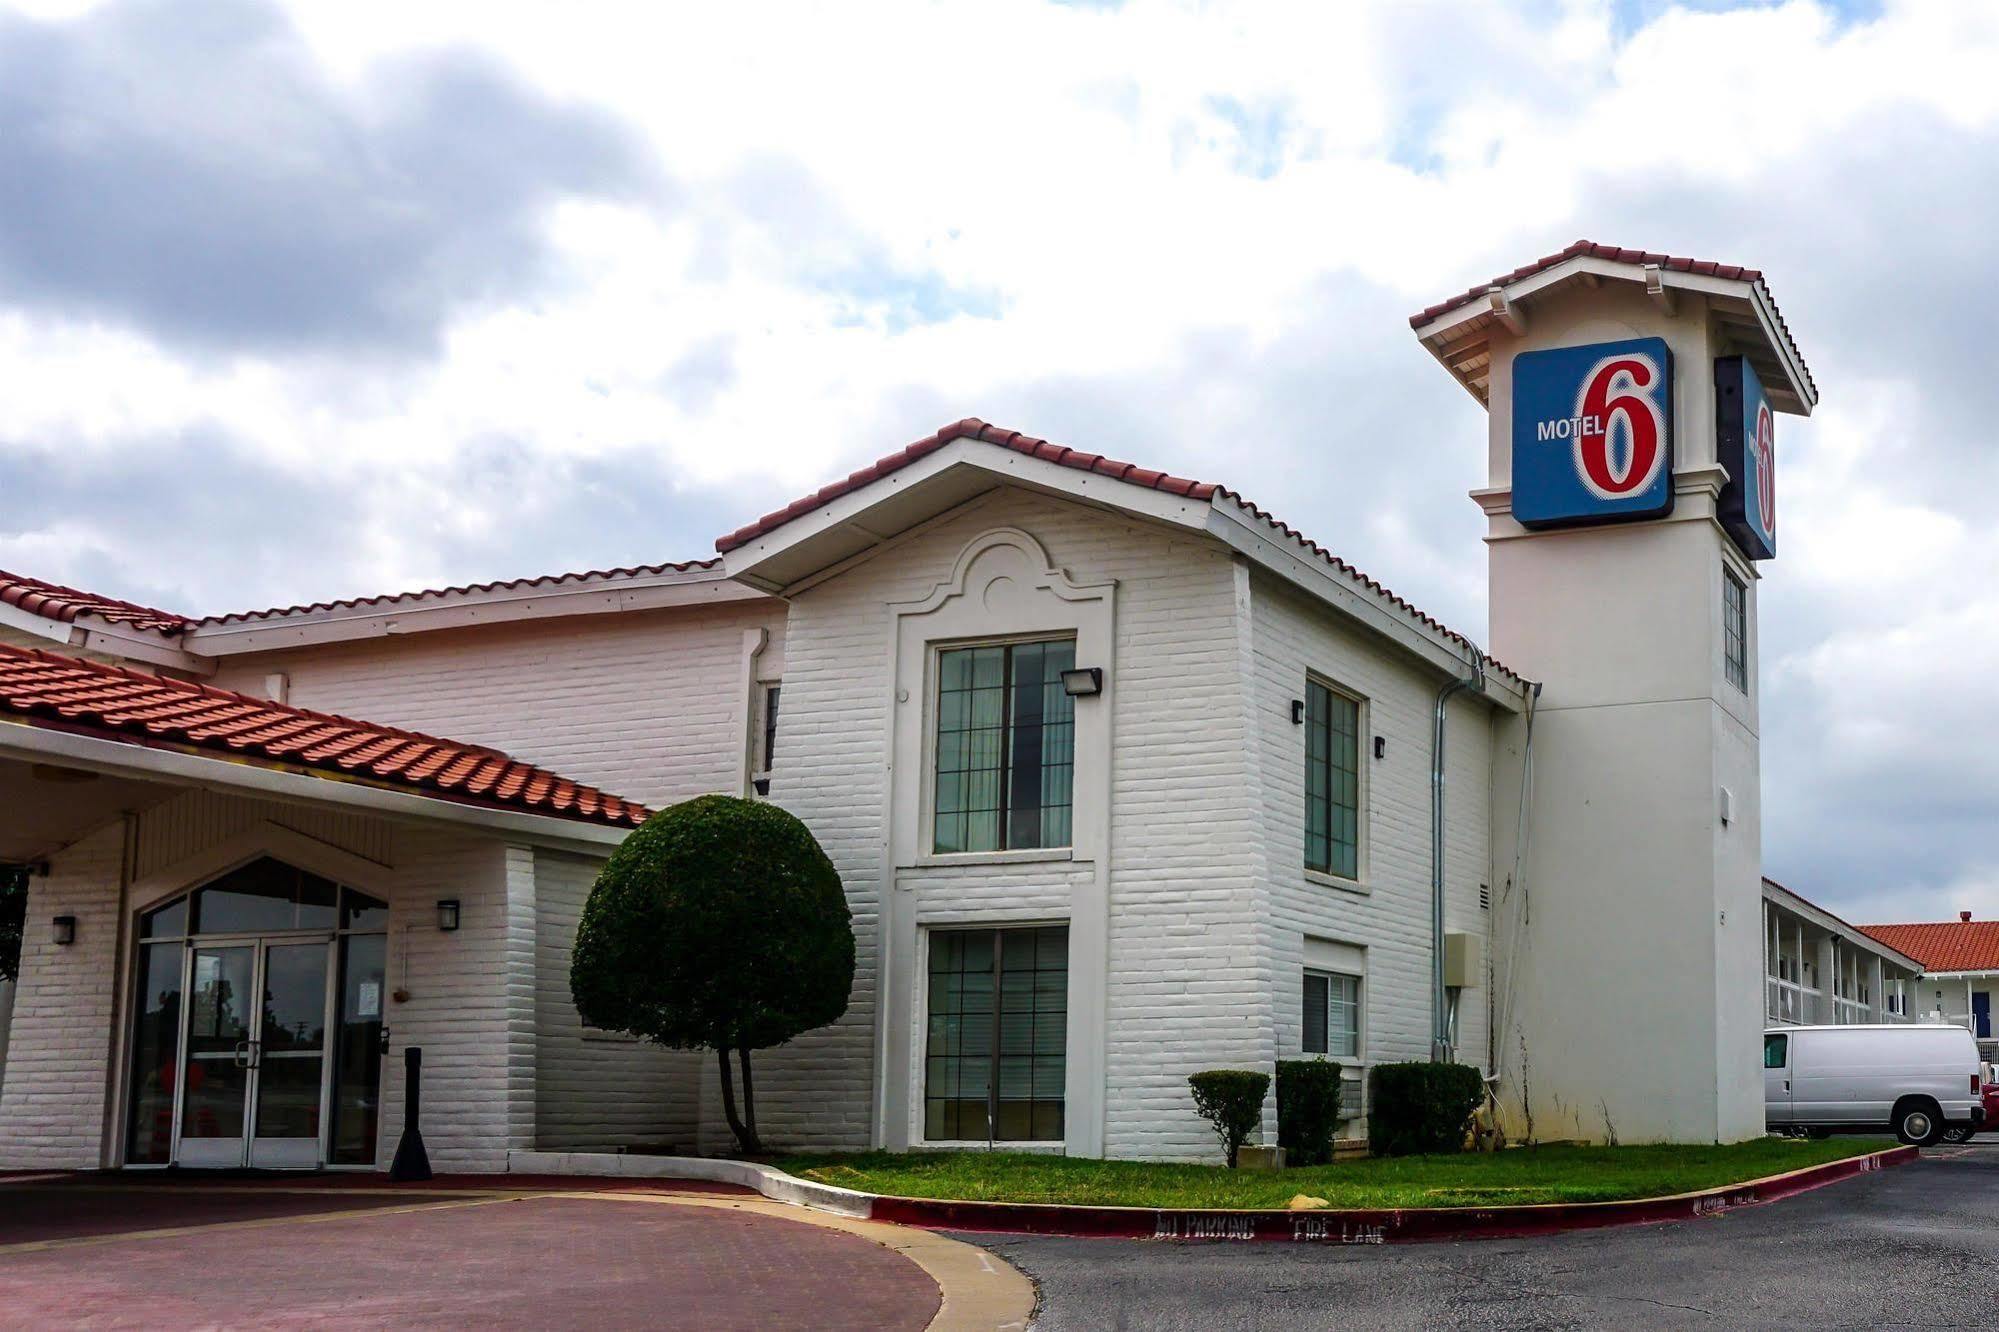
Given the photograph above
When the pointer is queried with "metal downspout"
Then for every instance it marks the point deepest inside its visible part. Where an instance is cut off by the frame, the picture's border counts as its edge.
(1440, 1031)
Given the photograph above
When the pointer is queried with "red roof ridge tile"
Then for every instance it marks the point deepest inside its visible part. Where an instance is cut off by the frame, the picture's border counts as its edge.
(467, 589)
(38, 596)
(973, 428)
(115, 702)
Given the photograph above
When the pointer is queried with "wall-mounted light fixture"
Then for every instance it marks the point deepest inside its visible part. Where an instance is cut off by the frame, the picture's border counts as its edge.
(1083, 682)
(1380, 746)
(63, 931)
(447, 914)
(1297, 712)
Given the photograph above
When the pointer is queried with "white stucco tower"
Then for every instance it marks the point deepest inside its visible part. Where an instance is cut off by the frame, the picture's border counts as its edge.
(1630, 399)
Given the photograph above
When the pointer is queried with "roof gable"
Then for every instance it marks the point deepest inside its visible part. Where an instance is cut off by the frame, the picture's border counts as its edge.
(969, 428)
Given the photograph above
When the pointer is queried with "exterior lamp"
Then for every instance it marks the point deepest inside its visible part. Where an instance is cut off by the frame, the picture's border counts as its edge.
(447, 914)
(64, 931)
(1083, 682)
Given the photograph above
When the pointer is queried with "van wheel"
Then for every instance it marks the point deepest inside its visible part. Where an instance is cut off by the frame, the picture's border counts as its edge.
(1957, 1133)
(1918, 1121)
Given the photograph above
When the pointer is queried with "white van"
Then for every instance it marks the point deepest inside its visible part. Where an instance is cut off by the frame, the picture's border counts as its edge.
(1912, 1079)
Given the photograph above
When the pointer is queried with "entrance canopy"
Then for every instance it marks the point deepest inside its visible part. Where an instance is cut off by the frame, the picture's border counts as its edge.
(81, 742)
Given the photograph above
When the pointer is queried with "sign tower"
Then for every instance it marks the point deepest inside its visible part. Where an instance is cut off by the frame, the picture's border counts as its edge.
(1630, 496)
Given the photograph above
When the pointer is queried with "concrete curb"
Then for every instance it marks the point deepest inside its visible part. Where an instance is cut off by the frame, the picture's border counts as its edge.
(1327, 1226)
(767, 1180)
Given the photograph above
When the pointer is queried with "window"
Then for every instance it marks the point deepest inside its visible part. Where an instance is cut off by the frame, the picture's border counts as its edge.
(995, 1059)
(770, 727)
(1332, 782)
(1006, 748)
(1735, 630)
(1332, 1014)
(1775, 1051)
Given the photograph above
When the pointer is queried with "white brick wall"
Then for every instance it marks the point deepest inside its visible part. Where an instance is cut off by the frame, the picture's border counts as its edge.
(463, 1006)
(52, 1102)
(643, 704)
(1183, 940)
(1293, 635)
(597, 1092)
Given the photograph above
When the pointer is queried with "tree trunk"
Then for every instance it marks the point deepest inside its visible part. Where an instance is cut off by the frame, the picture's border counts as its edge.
(743, 1139)
(751, 1143)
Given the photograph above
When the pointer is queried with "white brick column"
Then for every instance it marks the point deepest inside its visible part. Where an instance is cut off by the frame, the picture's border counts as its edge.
(52, 1101)
(518, 960)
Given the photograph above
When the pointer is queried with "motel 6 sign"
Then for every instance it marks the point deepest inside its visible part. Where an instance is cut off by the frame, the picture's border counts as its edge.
(1746, 443)
(1593, 433)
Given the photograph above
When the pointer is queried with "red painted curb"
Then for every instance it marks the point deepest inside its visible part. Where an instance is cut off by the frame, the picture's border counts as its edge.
(1364, 1225)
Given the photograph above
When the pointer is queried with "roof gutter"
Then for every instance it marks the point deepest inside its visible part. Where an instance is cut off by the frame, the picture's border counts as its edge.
(28, 742)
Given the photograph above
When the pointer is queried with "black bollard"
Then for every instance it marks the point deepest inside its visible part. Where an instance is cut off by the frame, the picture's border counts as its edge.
(412, 1162)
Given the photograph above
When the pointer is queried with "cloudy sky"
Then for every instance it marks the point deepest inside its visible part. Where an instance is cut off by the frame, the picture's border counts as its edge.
(301, 303)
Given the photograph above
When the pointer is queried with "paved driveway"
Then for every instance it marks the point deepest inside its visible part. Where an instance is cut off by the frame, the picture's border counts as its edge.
(98, 1253)
(1917, 1246)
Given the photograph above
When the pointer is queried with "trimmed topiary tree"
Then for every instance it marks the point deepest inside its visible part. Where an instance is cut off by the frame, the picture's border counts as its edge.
(719, 924)
(1308, 1110)
(1421, 1108)
(1231, 1099)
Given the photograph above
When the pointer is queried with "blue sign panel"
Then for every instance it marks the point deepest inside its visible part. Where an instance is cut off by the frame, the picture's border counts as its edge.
(1593, 433)
(1746, 441)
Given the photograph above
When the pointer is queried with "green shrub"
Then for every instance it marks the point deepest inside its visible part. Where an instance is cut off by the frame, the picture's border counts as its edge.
(1232, 1100)
(1421, 1108)
(1308, 1110)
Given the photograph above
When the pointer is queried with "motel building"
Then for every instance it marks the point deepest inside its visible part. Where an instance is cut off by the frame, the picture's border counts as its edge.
(1820, 971)
(1123, 757)
(1960, 979)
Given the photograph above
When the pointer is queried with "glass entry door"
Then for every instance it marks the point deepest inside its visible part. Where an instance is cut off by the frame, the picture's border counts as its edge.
(215, 1080)
(288, 1067)
(253, 1089)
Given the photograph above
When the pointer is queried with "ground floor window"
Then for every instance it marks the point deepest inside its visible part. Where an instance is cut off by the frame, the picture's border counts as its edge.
(995, 1060)
(1332, 1014)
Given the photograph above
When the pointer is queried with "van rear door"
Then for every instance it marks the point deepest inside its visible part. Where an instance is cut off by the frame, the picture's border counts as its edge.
(1776, 1079)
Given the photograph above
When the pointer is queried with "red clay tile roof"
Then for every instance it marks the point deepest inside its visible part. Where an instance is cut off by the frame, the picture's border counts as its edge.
(508, 585)
(49, 689)
(55, 602)
(1616, 254)
(973, 428)
(1948, 945)
(969, 428)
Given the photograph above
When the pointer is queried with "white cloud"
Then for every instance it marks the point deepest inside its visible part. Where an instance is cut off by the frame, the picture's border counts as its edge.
(1184, 233)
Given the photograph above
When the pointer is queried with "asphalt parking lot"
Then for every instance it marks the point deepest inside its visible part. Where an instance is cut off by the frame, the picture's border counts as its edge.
(1915, 1246)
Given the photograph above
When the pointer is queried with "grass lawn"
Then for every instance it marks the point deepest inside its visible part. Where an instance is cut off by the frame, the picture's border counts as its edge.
(1521, 1175)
